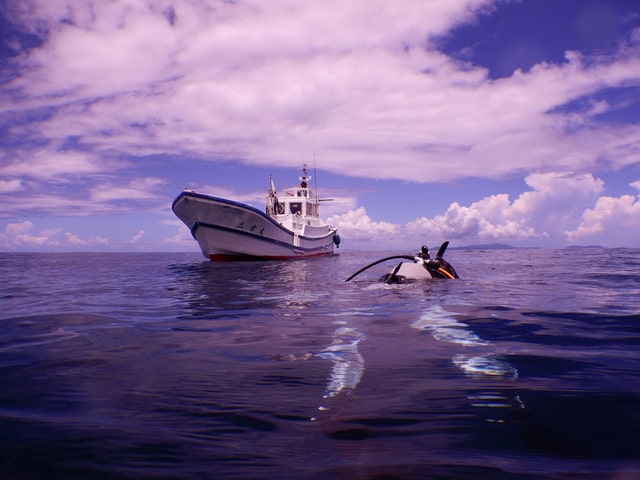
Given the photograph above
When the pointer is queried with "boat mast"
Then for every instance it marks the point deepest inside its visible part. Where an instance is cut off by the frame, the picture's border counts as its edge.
(272, 199)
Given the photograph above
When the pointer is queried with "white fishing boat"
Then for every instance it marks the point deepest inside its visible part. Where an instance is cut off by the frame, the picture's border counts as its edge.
(290, 227)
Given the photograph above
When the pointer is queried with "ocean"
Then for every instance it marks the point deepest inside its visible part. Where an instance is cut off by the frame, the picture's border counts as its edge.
(167, 366)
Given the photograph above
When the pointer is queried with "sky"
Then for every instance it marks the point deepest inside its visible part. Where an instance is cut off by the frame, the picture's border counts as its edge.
(475, 121)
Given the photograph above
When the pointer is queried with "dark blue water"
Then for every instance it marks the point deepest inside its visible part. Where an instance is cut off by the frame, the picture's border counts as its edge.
(166, 366)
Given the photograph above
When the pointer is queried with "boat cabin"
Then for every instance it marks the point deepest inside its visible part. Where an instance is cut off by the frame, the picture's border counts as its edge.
(297, 209)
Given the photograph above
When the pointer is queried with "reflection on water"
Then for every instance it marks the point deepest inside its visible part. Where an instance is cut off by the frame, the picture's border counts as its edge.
(348, 363)
(496, 407)
(444, 327)
(484, 365)
(481, 362)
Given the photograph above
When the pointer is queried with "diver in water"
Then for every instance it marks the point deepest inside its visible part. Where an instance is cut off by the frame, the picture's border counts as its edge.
(421, 266)
(437, 267)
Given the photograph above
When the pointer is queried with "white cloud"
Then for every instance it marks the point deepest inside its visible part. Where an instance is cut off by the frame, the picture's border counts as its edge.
(17, 236)
(136, 189)
(262, 81)
(100, 241)
(62, 197)
(44, 200)
(53, 164)
(488, 220)
(137, 237)
(9, 186)
(555, 200)
(74, 240)
(534, 217)
(18, 228)
(611, 222)
(358, 227)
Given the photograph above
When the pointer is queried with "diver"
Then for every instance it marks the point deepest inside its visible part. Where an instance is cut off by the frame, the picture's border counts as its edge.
(421, 266)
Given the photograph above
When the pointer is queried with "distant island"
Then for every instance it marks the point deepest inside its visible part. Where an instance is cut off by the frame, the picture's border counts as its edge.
(504, 246)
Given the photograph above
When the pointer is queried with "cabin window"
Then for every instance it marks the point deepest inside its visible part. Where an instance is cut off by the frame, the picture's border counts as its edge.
(311, 209)
(296, 208)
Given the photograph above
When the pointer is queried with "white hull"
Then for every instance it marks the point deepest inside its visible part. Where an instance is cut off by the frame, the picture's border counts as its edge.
(227, 230)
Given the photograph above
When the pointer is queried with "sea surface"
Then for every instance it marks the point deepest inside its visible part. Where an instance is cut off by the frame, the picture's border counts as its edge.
(167, 366)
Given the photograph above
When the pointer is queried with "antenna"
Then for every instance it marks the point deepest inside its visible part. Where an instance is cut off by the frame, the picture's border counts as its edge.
(315, 173)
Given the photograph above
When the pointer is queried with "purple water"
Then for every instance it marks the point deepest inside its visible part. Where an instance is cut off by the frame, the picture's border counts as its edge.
(166, 366)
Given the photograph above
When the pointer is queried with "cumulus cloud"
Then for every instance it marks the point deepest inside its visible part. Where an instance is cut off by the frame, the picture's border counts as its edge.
(537, 214)
(612, 222)
(530, 219)
(75, 241)
(137, 237)
(488, 219)
(357, 226)
(17, 236)
(72, 239)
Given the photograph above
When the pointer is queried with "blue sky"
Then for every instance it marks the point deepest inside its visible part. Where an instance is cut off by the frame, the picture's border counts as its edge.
(474, 121)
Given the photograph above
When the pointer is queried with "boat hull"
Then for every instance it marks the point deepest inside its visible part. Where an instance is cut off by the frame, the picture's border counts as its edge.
(226, 230)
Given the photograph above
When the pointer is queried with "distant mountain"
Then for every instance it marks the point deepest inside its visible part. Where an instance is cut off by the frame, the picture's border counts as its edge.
(577, 247)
